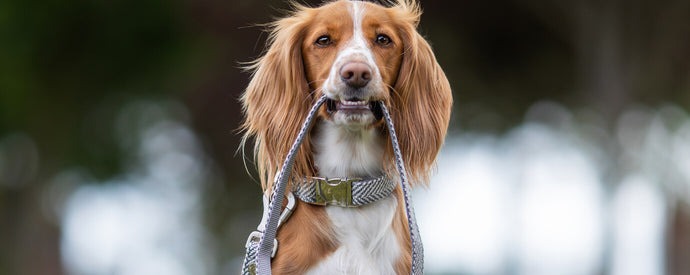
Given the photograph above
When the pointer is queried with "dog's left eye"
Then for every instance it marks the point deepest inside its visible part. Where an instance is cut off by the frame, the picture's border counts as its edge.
(383, 40)
(323, 41)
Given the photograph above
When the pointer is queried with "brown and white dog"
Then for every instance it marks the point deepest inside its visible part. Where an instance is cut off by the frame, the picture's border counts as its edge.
(355, 53)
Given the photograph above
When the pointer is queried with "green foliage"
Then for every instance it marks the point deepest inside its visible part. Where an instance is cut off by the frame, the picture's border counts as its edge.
(61, 61)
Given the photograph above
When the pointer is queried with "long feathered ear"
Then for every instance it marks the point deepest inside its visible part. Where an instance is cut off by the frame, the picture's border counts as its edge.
(277, 100)
(422, 98)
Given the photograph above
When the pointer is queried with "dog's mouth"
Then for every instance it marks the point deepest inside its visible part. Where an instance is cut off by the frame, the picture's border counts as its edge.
(355, 106)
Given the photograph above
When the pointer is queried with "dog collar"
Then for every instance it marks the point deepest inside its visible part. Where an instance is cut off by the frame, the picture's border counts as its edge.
(343, 192)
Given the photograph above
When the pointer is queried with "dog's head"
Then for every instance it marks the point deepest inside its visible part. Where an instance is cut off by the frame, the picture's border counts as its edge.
(357, 54)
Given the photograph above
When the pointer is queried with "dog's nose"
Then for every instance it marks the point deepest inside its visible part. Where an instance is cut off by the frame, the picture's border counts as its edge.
(355, 74)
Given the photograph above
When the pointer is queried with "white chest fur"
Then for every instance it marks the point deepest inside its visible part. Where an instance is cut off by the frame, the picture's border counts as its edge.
(341, 151)
(368, 244)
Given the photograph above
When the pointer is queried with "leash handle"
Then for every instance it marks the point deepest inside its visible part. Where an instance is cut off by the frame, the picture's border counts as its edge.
(270, 230)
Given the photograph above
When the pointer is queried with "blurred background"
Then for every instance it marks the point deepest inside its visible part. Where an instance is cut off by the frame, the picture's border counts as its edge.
(568, 151)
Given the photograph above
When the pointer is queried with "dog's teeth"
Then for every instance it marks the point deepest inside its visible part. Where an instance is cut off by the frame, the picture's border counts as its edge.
(354, 103)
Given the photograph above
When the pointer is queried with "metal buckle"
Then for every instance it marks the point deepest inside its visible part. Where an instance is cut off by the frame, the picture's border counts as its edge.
(288, 209)
(255, 236)
(334, 191)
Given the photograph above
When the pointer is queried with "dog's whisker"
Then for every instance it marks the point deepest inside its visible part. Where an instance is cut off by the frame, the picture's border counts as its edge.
(315, 80)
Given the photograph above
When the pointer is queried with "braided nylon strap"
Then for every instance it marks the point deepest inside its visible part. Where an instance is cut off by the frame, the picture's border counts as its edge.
(269, 232)
(263, 259)
(415, 238)
(362, 191)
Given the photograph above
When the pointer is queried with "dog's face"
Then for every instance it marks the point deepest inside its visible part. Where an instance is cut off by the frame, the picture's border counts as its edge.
(357, 54)
(352, 53)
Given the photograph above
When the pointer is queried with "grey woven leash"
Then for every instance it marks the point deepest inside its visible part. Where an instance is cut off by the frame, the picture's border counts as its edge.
(269, 232)
(263, 258)
(415, 238)
(356, 192)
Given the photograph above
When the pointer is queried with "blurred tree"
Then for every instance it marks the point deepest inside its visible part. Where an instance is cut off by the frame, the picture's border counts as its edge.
(65, 70)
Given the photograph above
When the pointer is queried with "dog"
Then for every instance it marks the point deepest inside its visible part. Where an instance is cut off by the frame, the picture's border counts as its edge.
(357, 54)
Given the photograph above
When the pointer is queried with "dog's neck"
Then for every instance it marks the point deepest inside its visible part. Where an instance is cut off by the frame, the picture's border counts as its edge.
(348, 152)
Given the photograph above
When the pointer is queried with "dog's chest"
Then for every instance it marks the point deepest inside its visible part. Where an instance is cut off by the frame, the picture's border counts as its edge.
(368, 244)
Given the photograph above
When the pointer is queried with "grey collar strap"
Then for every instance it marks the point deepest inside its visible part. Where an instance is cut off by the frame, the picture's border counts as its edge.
(262, 263)
(343, 192)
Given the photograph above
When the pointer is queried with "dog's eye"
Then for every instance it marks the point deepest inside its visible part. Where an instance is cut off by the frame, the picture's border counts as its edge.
(383, 40)
(323, 41)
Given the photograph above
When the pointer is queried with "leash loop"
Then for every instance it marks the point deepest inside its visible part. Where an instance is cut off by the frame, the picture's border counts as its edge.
(258, 257)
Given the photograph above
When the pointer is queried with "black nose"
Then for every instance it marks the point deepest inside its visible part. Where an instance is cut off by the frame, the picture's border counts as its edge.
(355, 74)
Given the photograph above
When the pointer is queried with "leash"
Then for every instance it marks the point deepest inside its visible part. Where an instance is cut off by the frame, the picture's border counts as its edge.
(415, 238)
(259, 253)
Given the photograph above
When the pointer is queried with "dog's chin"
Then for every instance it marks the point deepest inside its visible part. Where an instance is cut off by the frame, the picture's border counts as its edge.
(354, 113)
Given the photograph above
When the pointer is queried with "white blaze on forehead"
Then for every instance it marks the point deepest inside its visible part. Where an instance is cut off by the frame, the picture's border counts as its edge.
(357, 12)
(358, 43)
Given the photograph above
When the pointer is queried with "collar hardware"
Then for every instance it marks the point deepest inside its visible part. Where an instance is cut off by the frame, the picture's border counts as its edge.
(336, 191)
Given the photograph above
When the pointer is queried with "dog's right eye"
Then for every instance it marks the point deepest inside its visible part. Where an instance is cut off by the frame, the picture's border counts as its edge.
(323, 41)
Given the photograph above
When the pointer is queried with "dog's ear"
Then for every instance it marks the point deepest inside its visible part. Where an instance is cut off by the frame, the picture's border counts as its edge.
(422, 100)
(277, 100)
